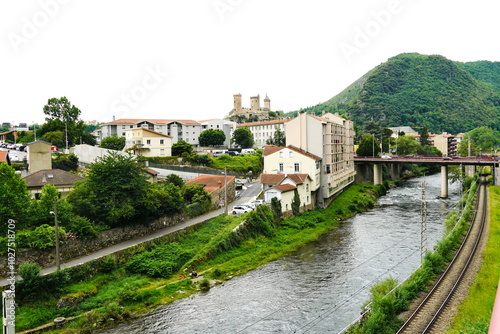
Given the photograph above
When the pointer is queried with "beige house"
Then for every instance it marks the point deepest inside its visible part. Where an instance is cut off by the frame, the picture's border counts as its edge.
(62, 180)
(330, 137)
(39, 156)
(152, 143)
(283, 186)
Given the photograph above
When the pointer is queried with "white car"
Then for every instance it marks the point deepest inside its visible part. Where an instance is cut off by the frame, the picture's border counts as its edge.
(257, 202)
(240, 209)
(248, 205)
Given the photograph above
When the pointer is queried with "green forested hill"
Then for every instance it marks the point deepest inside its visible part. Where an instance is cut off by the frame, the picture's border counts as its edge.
(418, 90)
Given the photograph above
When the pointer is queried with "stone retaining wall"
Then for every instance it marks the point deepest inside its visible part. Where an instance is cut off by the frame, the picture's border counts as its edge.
(72, 249)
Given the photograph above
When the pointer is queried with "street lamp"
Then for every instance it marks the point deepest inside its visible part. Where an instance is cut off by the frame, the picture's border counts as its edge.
(14, 132)
(58, 260)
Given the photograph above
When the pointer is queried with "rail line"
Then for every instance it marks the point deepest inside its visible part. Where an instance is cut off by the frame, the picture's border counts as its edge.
(425, 319)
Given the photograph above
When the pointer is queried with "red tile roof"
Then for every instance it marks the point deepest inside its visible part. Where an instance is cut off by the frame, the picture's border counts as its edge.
(4, 157)
(210, 182)
(285, 187)
(152, 131)
(298, 178)
(275, 121)
(151, 171)
(270, 149)
(155, 121)
(271, 178)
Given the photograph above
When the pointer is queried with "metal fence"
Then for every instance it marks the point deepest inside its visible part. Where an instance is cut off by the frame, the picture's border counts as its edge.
(199, 170)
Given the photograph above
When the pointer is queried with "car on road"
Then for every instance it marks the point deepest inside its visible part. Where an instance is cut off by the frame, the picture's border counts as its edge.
(447, 158)
(257, 202)
(386, 157)
(240, 209)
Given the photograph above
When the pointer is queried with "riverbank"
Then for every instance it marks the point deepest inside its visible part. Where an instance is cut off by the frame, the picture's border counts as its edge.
(475, 312)
(128, 295)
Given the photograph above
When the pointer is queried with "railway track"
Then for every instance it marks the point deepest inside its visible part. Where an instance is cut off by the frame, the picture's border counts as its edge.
(427, 318)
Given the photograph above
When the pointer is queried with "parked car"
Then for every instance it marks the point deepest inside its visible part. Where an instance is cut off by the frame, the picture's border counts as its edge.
(240, 209)
(248, 205)
(257, 202)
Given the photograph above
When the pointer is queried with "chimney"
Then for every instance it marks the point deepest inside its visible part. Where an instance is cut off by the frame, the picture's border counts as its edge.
(113, 117)
(44, 178)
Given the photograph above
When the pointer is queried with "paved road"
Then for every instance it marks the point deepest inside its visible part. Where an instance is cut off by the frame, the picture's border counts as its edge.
(250, 191)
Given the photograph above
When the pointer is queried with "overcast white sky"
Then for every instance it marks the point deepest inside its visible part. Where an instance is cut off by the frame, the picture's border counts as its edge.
(185, 59)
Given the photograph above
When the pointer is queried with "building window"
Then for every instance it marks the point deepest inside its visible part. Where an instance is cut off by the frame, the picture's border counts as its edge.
(161, 141)
(123, 126)
(148, 141)
(162, 152)
(281, 154)
(123, 133)
(307, 189)
(290, 154)
(131, 126)
(296, 167)
(280, 167)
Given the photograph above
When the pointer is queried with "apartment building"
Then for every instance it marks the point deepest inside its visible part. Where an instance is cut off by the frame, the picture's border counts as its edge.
(262, 131)
(187, 130)
(330, 137)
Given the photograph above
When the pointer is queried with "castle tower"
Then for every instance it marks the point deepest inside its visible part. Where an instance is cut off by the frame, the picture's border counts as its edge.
(255, 102)
(267, 103)
(237, 102)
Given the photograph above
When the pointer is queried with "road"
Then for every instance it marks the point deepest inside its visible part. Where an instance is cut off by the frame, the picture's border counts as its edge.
(248, 193)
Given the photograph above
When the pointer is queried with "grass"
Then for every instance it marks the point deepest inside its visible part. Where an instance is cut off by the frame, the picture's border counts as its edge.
(475, 312)
(120, 295)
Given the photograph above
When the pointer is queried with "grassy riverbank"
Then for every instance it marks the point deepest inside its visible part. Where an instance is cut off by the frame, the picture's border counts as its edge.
(389, 299)
(475, 312)
(109, 291)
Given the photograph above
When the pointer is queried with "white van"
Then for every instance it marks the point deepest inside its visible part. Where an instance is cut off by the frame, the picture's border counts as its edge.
(247, 151)
(218, 153)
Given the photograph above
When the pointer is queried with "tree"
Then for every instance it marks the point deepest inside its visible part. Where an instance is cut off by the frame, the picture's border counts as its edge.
(424, 136)
(175, 180)
(212, 137)
(113, 192)
(63, 117)
(372, 128)
(278, 138)
(56, 138)
(368, 146)
(296, 203)
(276, 207)
(408, 145)
(14, 198)
(181, 147)
(67, 162)
(243, 137)
(463, 148)
(113, 142)
(138, 149)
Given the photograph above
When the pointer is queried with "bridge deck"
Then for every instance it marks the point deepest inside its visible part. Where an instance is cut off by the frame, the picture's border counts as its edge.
(430, 160)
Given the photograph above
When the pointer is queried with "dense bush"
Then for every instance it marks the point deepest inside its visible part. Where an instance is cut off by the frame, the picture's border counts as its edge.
(161, 261)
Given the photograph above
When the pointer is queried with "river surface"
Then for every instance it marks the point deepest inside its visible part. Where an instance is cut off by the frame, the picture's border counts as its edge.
(321, 287)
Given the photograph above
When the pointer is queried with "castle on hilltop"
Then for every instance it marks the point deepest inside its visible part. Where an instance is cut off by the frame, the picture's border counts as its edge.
(255, 112)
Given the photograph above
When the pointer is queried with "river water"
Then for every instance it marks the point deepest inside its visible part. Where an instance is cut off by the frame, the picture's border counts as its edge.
(321, 287)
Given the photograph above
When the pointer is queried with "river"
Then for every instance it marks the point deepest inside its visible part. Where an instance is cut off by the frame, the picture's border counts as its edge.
(321, 287)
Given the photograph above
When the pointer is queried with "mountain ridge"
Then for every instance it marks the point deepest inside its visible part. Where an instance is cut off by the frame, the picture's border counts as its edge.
(411, 89)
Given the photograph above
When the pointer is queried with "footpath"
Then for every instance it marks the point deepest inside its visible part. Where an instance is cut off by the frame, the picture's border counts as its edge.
(250, 193)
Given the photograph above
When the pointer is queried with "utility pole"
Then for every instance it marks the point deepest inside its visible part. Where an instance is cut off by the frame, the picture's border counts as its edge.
(34, 129)
(66, 126)
(373, 145)
(58, 260)
(225, 191)
(423, 225)
(469, 147)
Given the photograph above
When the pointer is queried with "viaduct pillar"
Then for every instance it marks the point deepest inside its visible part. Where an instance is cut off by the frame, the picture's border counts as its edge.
(444, 181)
(470, 170)
(395, 170)
(377, 174)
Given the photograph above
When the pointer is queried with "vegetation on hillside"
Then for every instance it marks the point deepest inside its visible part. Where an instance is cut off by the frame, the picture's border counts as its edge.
(422, 90)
